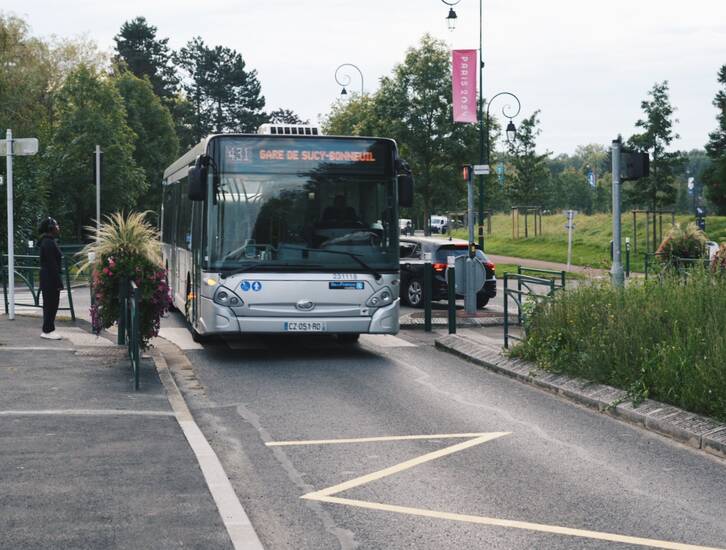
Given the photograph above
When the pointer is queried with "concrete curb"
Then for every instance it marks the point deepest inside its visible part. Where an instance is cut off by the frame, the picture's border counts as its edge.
(409, 322)
(239, 527)
(694, 430)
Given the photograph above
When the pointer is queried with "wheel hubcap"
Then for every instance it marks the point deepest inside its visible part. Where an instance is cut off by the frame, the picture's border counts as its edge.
(414, 293)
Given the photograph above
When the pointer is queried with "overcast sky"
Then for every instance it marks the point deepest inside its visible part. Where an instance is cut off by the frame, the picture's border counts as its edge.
(586, 65)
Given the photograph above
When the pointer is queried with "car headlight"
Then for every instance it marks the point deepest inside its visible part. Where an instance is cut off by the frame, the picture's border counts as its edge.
(381, 298)
(225, 297)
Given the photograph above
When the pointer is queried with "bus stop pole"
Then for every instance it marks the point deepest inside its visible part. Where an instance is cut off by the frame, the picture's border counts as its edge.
(451, 283)
(427, 295)
(470, 294)
(11, 240)
(618, 277)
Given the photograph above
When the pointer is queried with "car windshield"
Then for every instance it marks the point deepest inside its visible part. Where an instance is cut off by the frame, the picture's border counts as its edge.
(295, 221)
(443, 252)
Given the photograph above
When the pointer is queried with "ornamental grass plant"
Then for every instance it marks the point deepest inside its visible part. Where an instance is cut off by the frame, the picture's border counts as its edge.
(684, 241)
(127, 248)
(662, 339)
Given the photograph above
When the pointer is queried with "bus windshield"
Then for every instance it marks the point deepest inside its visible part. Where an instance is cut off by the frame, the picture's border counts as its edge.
(294, 221)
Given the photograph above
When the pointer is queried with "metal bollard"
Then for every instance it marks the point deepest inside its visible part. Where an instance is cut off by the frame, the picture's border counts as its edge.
(428, 275)
(627, 257)
(451, 283)
(123, 295)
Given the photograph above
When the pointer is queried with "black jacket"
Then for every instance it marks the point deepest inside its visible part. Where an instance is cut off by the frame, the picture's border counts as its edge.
(50, 264)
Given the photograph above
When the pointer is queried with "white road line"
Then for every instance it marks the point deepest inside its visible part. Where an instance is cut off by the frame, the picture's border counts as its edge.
(540, 527)
(326, 495)
(371, 439)
(33, 348)
(380, 474)
(239, 528)
(385, 341)
(181, 337)
(85, 412)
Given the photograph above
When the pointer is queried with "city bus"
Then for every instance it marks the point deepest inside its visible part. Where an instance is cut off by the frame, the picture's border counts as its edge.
(285, 231)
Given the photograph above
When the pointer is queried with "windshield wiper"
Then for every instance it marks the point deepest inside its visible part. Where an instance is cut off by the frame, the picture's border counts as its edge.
(252, 267)
(355, 257)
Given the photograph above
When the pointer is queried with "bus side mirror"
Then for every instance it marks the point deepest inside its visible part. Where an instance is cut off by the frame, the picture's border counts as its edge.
(405, 190)
(197, 182)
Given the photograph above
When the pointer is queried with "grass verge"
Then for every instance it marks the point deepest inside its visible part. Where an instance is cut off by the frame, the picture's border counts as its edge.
(664, 341)
(591, 238)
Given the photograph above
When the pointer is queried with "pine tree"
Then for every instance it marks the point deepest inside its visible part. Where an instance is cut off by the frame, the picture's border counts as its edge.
(529, 185)
(145, 55)
(657, 190)
(224, 97)
(715, 176)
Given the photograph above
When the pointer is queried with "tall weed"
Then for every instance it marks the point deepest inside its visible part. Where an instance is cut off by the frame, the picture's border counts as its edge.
(660, 339)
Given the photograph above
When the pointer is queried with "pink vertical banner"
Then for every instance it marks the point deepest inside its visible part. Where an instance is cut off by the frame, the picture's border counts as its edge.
(463, 81)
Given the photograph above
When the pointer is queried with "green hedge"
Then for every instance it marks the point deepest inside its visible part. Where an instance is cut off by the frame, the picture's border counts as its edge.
(663, 339)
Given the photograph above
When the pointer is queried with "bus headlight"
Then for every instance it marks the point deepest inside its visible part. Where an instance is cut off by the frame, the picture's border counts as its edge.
(381, 298)
(225, 297)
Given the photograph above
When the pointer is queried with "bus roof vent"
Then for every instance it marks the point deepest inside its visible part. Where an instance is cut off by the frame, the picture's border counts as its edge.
(289, 130)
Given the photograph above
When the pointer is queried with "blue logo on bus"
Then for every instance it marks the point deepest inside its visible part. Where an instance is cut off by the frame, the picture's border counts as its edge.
(256, 286)
(245, 286)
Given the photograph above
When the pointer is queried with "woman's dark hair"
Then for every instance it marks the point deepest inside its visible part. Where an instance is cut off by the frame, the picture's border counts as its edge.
(47, 225)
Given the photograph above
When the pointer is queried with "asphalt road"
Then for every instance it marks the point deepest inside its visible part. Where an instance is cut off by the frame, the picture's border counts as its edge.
(540, 462)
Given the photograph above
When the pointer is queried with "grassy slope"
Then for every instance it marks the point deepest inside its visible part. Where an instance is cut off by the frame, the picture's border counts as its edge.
(591, 237)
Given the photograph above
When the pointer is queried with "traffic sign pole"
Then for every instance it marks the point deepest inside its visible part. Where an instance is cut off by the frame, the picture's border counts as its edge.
(10, 147)
(470, 295)
(11, 243)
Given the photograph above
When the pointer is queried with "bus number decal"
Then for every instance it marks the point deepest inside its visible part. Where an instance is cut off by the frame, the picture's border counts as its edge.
(345, 276)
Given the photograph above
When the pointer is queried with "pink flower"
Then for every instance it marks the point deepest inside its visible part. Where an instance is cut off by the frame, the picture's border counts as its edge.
(106, 270)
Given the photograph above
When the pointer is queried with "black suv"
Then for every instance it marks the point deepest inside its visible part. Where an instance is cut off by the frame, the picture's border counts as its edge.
(412, 250)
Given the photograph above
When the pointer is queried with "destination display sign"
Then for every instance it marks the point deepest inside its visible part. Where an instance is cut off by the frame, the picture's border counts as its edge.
(305, 155)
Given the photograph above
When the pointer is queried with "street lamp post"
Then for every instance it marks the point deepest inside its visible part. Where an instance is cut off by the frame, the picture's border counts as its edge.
(346, 79)
(483, 135)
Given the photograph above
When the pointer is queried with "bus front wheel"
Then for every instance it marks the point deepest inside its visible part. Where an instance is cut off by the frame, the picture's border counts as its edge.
(348, 338)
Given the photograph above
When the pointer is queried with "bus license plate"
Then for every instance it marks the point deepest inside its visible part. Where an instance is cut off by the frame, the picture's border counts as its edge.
(305, 326)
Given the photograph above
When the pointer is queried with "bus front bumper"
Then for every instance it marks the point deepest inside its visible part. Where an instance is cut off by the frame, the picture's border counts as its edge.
(385, 320)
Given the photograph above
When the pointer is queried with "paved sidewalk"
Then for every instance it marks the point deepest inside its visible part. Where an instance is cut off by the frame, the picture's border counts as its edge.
(541, 264)
(86, 462)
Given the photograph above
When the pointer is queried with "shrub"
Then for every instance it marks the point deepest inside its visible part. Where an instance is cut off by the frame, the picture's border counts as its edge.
(660, 339)
(718, 264)
(682, 242)
(127, 248)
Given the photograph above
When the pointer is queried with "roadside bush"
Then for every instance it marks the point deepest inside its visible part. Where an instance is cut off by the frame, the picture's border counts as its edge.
(682, 242)
(127, 248)
(718, 264)
(664, 340)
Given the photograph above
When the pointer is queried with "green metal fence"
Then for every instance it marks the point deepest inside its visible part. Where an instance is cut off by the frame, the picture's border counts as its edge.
(129, 324)
(528, 289)
(27, 271)
(658, 264)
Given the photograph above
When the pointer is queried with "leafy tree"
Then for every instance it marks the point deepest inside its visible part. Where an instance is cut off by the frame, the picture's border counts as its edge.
(286, 116)
(23, 86)
(529, 183)
(358, 116)
(657, 190)
(413, 106)
(715, 175)
(156, 144)
(138, 47)
(224, 96)
(90, 112)
(571, 190)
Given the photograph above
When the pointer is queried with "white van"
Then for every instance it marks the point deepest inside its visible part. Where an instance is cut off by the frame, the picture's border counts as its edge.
(439, 224)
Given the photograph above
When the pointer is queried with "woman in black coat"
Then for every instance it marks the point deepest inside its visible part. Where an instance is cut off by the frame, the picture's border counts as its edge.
(51, 283)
